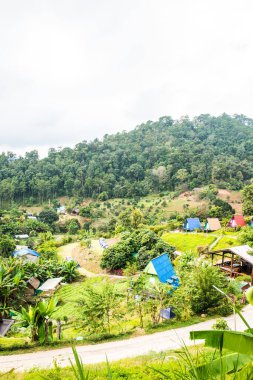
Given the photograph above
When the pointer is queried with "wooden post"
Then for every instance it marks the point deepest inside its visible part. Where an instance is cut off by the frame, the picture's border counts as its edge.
(232, 262)
(58, 329)
(46, 330)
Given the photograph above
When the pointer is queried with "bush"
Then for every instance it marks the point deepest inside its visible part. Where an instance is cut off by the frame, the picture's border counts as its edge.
(220, 324)
(203, 296)
(146, 244)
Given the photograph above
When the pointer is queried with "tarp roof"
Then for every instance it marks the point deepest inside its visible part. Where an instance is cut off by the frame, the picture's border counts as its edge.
(241, 251)
(191, 224)
(50, 284)
(213, 224)
(24, 252)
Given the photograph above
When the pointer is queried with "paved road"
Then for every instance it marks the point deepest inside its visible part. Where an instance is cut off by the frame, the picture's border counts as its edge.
(115, 350)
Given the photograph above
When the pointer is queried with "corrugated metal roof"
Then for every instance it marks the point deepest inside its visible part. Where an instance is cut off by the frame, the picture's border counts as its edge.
(50, 284)
(241, 251)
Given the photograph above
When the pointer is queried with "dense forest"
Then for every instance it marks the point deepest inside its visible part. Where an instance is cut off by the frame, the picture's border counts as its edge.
(165, 155)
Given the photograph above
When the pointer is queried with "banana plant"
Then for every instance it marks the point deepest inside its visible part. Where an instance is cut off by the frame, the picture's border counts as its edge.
(239, 359)
(37, 317)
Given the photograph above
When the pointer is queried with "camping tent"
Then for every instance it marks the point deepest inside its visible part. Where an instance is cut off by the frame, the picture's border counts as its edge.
(192, 224)
(212, 224)
(26, 254)
(161, 268)
(237, 221)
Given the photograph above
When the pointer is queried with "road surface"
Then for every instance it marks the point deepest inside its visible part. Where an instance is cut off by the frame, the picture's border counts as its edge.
(92, 354)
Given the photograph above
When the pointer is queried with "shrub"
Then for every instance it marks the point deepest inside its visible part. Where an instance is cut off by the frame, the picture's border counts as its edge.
(220, 324)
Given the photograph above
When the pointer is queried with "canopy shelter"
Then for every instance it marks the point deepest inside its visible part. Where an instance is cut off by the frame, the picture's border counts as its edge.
(235, 261)
(162, 269)
(26, 254)
(212, 224)
(192, 224)
(237, 221)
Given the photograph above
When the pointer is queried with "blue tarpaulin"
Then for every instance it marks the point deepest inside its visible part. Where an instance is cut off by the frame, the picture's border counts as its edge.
(24, 252)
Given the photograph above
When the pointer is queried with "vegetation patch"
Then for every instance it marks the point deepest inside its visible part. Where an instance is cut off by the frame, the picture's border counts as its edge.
(188, 241)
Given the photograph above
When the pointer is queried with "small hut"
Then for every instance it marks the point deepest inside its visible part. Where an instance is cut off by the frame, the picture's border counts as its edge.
(192, 224)
(32, 285)
(237, 221)
(50, 286)
(161, 269)
(212, 224)
(27, 254)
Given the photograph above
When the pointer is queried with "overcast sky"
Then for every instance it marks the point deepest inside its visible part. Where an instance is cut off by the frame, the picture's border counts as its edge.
(73, 70)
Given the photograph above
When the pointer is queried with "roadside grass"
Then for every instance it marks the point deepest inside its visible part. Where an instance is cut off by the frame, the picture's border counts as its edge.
(145, 367)
(188, 241)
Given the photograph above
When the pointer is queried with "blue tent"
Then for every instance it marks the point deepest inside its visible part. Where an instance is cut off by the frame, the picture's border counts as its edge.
(192, 224)
(24, 252)
(162, 268)
(167, 313)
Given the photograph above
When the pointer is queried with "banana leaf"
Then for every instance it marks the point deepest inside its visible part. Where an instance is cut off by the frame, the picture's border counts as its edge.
(230, 363)
(239, 342)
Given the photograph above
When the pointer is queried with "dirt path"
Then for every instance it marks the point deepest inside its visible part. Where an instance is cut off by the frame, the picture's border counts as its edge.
(74, 250)
(85, 257)
(116, 350)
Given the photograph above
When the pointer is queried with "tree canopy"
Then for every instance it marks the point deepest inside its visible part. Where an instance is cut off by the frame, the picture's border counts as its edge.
(155, 156)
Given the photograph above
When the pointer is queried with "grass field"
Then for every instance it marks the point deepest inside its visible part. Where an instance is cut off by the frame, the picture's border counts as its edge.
(187, 241)
(226, 242)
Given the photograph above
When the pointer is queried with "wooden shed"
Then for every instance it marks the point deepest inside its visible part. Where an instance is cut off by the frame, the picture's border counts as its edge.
(235, 261)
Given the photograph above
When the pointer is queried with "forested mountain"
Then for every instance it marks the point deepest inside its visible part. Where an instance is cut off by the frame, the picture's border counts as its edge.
(154, 157)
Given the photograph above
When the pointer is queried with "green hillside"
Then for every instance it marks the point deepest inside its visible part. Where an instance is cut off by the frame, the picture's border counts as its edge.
(155, 157)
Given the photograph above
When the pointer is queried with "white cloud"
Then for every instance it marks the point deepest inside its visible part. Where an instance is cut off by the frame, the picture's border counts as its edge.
(74, 70)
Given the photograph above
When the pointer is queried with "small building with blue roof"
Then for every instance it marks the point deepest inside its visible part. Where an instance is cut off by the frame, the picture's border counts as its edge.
(192, 224)
(26, 254)
(162, 269)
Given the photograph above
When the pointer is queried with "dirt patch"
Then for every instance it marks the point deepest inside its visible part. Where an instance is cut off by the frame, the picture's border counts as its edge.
(234, 198)
(88, 258)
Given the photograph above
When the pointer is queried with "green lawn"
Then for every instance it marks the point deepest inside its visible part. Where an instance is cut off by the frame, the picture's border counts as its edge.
(188, 241)
(226, 242)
